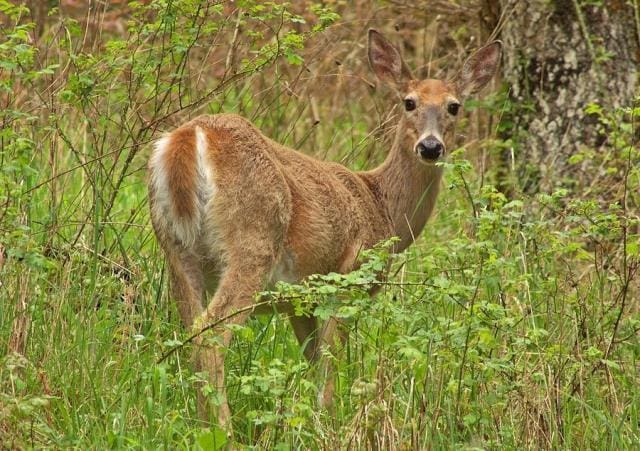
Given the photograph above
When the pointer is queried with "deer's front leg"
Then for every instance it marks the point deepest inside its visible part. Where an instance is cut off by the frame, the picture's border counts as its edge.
(321, 345)
(332, 338)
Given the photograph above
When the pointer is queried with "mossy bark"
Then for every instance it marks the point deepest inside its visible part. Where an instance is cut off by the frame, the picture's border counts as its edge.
(560, 56)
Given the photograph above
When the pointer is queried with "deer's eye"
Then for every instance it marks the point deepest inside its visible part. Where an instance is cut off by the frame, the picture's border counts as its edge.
(453, 108)
(409, 104)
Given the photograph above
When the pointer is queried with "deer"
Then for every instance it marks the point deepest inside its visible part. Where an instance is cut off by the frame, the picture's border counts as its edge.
(234, 211)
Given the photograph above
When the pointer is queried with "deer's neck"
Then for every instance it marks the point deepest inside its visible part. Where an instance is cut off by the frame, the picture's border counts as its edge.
(407, 186)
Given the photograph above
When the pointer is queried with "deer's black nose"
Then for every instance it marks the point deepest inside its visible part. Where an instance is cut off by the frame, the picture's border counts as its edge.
(430, 148)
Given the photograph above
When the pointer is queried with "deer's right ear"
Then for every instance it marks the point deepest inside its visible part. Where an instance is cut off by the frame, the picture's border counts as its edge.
(386, 62)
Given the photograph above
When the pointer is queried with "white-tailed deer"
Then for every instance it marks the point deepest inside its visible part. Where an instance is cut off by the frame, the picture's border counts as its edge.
(235, 211)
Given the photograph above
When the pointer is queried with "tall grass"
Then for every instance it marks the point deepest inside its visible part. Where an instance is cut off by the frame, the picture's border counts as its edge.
(511, 323)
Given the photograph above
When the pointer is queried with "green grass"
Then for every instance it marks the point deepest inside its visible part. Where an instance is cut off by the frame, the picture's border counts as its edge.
(492, 333)
(512, 322)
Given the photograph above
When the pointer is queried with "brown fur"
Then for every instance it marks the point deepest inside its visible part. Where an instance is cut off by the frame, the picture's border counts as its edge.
(261, 212)
(433, 91)
(180, 158)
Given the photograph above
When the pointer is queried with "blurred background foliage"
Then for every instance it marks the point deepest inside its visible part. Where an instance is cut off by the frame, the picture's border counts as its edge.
(512, 323)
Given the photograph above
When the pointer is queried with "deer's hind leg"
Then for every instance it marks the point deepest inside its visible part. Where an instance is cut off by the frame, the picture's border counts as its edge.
(251, 248)
(231, 304)
(187, 284)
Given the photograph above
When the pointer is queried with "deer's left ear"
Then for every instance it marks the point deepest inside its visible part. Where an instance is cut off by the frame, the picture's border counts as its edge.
(479, 68)
(386, 62)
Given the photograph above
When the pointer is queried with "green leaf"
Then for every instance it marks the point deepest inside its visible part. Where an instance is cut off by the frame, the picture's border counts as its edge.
(209, 439)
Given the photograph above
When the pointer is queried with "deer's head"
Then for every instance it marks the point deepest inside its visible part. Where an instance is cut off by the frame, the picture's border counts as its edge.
(431, 106)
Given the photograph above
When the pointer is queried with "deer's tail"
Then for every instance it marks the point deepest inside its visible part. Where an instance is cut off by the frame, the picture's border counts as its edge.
(180, 184)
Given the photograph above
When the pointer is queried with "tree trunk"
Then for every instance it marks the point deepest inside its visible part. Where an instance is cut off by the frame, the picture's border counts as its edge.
(561, 56)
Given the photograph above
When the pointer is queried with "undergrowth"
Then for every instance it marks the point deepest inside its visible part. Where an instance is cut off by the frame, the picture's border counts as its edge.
(512, 322)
